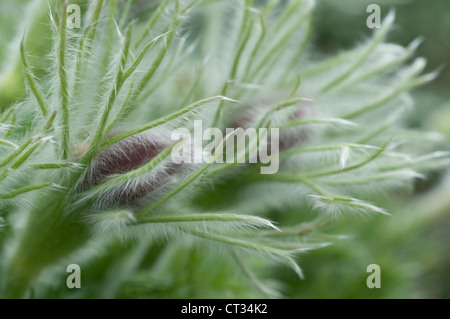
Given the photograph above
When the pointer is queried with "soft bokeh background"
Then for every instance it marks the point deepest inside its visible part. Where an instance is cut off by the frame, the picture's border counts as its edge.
(412, 247)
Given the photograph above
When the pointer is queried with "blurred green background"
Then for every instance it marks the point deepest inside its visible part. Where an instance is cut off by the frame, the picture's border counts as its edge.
(413, 246)
(341, 24)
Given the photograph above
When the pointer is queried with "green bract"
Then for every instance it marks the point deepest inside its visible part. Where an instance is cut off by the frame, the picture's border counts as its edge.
(137, 67)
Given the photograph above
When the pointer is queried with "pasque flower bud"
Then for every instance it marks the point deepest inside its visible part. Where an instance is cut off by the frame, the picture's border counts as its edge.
(288, 136)
(126, 156)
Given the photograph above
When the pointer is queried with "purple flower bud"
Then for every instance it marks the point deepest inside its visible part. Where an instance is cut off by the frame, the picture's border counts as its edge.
(289, 137)
(128, 155)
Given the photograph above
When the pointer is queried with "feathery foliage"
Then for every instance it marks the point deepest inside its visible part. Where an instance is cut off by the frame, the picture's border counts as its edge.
(85, 171)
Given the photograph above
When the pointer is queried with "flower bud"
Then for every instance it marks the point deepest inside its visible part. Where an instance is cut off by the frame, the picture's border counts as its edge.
(126, 156)
(289, 137)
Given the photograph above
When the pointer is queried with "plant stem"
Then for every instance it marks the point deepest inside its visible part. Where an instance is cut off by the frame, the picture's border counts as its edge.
(64, 86)
(60, 232)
